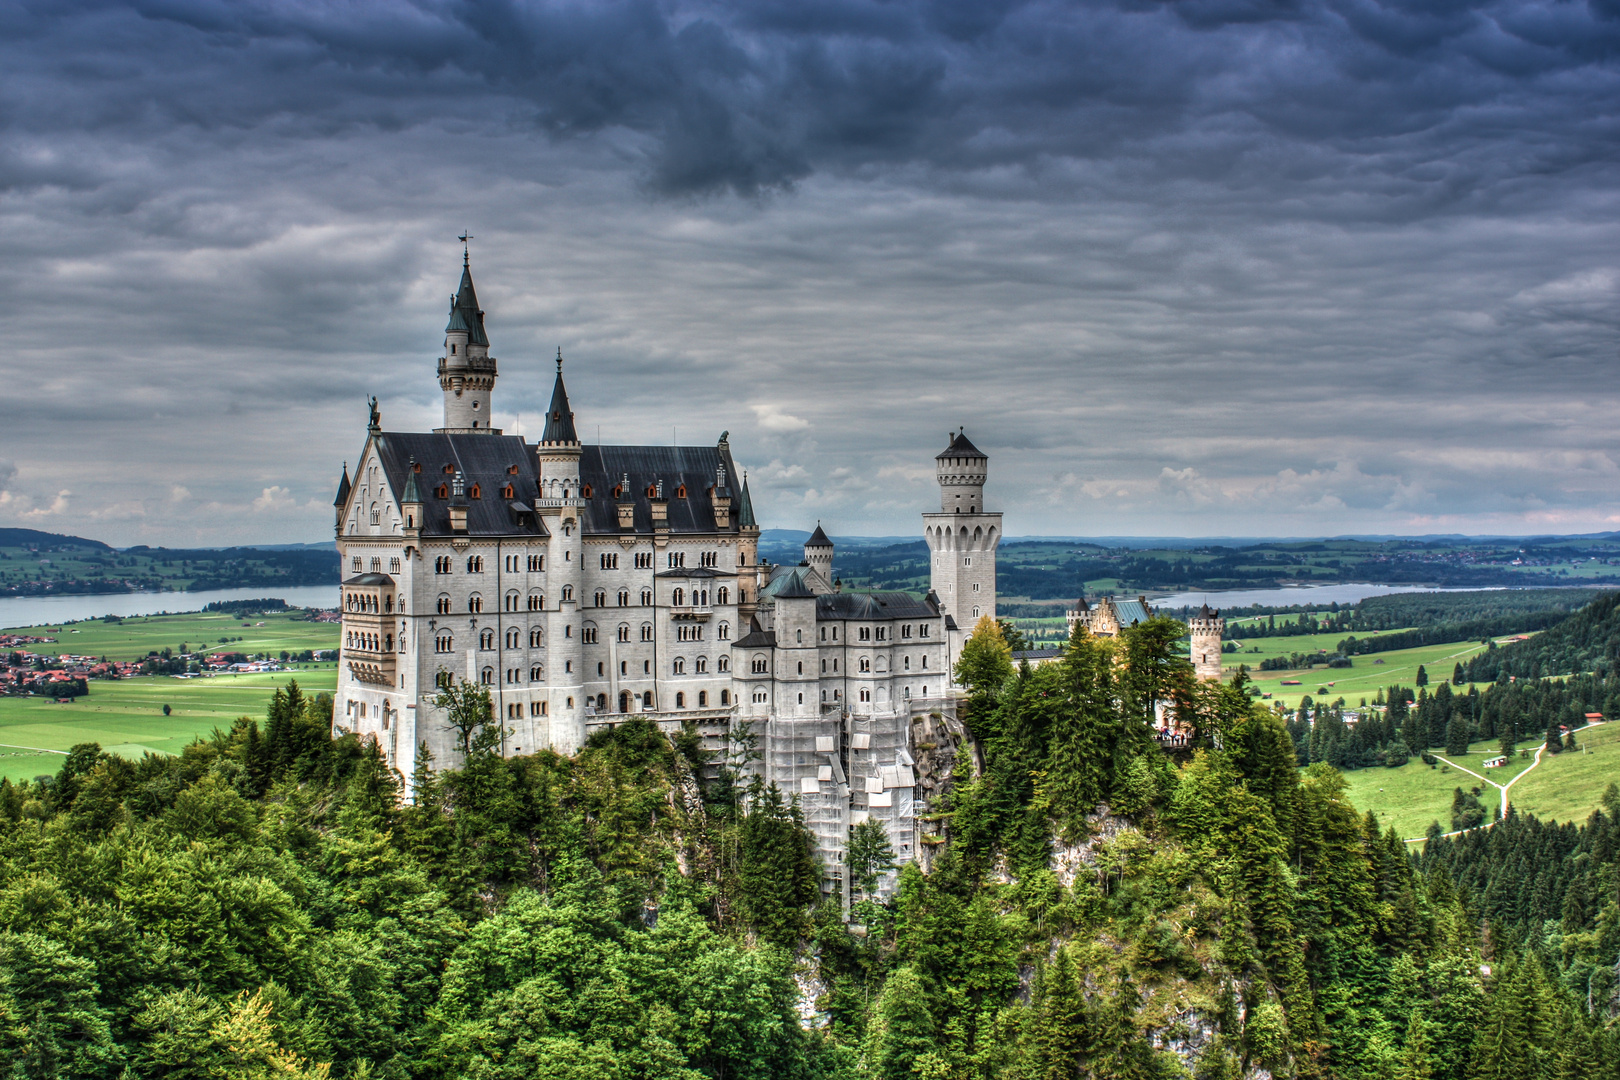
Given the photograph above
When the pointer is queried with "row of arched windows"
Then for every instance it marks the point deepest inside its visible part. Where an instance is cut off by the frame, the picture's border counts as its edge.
(700, 665)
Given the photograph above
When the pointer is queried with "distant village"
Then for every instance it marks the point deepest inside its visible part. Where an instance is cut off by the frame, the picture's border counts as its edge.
(67, 675)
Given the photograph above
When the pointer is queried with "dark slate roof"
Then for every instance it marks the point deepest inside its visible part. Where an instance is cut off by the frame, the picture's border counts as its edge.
(873, 606)
(371, 579)
(745, 512)
(961, 448)
(694, 572)
(1037, 654)
(790, 587)
(484, 460)
(342, 499)
(559, 418)
(756, 639)
(693, 467)
(464, 313)
(818, 539)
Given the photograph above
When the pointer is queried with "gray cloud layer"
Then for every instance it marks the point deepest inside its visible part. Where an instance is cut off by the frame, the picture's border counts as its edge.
(1224, 266)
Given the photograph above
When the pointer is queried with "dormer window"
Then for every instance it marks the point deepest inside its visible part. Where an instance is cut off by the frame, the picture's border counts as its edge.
(416, 466)
(449, 468)
(618, 491)
(508, 492)
(442, 491)
(680, 492)
(511, 470)
(585, 491)
(475, 492)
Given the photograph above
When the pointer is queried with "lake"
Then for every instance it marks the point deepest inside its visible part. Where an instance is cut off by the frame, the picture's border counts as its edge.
(52, 610)
(1298, 594)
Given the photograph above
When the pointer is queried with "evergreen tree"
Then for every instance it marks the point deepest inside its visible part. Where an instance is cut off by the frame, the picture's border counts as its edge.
(1422, 677)
(1457, 734)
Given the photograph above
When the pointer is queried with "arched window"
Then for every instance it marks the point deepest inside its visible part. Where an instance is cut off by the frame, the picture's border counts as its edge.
(646, 632)
(536, 601)
(514, 638)
(703, 699)
(475, 603)
(678, 598)
(475, 564)
(512, 601)
(534, 638)
(724, 595)
(444, 604)
(599, 599)
(486, 640)
(646, 598)
(624, 597)
(678, 665)
(701, 665)
(536, 673)
(723, 664)
(680, 700)
(725, 631)
(443, 680)
(725, 697)
(487, 676)
(568, 592)
(624, 631)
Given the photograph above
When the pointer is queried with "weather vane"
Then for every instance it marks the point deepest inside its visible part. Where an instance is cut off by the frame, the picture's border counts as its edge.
(464, 237)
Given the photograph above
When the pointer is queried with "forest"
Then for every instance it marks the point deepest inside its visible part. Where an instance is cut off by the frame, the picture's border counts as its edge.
(267, 903)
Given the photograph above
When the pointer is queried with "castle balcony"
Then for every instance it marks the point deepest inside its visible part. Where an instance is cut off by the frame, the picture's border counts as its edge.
(691, 613)
(558, 504)
(374, 668)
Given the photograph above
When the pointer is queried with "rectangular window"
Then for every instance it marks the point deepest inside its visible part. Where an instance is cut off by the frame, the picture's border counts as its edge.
(537, 563)
(644, 560)
(610, 562)
(356, 564)
(711, 558)
(677, 559)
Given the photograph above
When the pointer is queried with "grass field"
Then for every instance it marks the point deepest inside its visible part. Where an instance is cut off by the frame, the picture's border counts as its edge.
(1569, 786)
(1362, 680)
(126, 717)
(1415, 794)
(133, 638)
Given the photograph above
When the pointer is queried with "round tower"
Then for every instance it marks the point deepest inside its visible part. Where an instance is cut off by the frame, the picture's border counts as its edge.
(1207, 629)
(466, 370)
(962, 470)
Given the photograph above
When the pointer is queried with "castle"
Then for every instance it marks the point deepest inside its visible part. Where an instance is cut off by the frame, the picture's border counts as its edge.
(583, 584)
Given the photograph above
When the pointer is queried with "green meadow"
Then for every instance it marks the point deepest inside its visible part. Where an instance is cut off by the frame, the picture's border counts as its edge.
(126, 716)
(132, 638)
(1362, 680)
(1569, 786)
(1412, 796)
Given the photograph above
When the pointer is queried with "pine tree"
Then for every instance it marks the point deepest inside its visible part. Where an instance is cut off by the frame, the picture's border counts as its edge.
(1415, 1062)
(1061, 1037)
(1422, 676)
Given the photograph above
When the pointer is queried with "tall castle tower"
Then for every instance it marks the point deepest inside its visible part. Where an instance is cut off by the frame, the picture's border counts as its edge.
(466, 370)
(962, 538)
(1207, 629)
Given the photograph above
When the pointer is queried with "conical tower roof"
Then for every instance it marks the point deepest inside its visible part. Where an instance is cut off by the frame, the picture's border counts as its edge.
(818, 539)
(559, 418)
(745, 508)
(344, 487)
(961, 447)
(464, 311)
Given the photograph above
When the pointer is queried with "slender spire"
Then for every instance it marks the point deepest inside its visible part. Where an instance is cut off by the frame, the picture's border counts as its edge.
(465, 314)
(343, 488)
(745, 508)
(411, 495)
(559, 418)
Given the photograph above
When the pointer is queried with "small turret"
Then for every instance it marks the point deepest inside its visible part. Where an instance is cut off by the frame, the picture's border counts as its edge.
(410, 503)
(559, 450)
(818, 553)
(458, 503)
(341, 503)
(962, 469)
(466, 370)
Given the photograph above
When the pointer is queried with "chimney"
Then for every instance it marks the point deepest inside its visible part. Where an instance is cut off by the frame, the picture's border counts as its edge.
(627, 505)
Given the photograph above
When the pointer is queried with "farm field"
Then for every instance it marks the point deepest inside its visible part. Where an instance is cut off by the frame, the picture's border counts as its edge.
(135, 637)
(1569, 786)
(126, 716)
(1363, 680)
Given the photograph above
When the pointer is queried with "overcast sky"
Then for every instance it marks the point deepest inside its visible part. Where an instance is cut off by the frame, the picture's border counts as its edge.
(1205, 268)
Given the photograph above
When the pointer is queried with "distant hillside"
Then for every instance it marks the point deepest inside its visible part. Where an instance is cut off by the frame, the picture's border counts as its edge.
(44, 541)
(1588, 640)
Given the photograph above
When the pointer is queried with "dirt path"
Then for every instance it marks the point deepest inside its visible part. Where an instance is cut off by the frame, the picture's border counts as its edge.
(1503, 788)
(41, 749)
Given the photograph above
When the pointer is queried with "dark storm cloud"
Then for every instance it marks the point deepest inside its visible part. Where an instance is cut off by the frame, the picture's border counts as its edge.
(754, 96)
(1211, 266)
